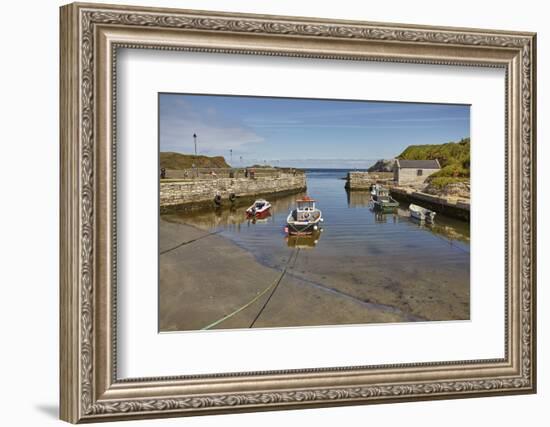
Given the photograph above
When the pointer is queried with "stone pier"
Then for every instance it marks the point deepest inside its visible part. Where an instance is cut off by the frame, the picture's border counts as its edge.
(449, 206)
(362, 181)
(200, 193)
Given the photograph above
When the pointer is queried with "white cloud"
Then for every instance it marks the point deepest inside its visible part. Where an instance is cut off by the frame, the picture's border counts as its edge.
(215, 135)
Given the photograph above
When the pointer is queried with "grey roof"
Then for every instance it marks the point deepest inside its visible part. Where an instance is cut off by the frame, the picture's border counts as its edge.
(418, 164)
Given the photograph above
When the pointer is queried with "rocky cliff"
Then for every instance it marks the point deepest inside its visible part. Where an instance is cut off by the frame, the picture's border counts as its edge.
(382, 166)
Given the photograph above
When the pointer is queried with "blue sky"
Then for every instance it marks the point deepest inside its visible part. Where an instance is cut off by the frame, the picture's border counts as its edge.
(304, 132)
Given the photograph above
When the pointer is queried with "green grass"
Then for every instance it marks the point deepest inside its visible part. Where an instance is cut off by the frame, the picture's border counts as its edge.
(454, 170)
(179, 161)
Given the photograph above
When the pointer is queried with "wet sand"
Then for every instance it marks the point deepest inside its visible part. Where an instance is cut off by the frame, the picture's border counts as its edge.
(205, 277)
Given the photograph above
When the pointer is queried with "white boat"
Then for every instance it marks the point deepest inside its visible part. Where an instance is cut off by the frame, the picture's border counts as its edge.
(421, 213)
(305, 218)
(259, 209)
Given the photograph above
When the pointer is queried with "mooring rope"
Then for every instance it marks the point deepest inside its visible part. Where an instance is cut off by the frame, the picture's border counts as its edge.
(189, 241)
(248, 304)
(273, 286)
(274, 289)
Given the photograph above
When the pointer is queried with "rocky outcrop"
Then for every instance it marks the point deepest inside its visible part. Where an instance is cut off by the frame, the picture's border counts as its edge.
(459, 190)
(382, 166)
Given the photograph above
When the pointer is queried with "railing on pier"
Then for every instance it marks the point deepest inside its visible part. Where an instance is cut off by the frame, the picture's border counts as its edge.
(210, 173)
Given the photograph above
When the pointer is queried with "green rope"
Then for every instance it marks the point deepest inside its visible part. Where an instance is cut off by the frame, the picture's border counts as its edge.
(272, 292)
(256, 298)
(248, 304)
(189, 241)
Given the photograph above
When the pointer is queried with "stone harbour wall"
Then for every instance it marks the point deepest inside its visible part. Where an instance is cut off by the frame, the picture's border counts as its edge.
(453, 207)
(363, 180)
(201, 192)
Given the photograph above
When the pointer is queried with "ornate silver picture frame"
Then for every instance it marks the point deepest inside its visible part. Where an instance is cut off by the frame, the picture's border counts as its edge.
(91, 34)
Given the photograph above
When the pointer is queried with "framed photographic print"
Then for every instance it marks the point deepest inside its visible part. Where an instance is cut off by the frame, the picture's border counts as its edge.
(265, 212)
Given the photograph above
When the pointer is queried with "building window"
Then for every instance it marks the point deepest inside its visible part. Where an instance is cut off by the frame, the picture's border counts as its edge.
(419, 172)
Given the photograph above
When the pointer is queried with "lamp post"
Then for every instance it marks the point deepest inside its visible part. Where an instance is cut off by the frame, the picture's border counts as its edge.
(195, 139)
(231, 156)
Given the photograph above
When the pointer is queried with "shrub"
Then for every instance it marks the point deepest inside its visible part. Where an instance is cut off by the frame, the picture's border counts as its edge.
(454, 157)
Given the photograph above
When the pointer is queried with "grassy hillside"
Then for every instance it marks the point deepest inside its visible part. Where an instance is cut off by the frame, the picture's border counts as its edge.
(454, 158)
(170, 160)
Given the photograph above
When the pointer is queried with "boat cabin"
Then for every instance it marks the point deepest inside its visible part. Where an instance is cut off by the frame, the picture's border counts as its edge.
(379, 192)
(305, 209)
(259, 204)
(381, 197)
(382, 192)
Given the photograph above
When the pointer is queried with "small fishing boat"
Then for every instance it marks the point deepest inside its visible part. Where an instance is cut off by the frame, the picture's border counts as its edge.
(422, 214)
(259, 209)
(381, 198)
(305, 218)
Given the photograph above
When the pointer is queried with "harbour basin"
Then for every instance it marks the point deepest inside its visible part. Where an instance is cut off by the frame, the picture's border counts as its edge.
(363, 266)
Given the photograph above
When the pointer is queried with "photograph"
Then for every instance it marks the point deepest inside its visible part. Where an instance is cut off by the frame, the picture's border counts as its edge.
(271, 209)
(290, 212)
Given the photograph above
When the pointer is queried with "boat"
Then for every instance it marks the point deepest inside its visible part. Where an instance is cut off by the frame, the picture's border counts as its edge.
(305, 218)
(422, 214)
(260, 209)
(381, 198)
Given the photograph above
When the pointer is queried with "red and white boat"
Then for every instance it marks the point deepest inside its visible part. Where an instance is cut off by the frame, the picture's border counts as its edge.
(260, 209)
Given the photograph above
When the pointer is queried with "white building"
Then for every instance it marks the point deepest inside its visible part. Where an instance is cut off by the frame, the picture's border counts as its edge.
(414, 172)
